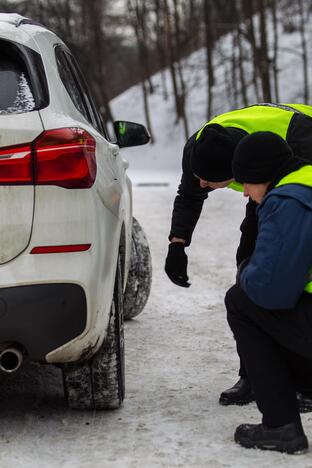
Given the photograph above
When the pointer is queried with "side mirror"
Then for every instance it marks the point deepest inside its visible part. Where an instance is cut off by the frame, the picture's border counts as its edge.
(130, 134)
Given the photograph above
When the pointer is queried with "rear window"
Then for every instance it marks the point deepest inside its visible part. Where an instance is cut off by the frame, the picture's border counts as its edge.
(16, 96)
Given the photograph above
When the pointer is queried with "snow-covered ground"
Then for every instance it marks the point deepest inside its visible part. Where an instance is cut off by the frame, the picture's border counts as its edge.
(180, 356)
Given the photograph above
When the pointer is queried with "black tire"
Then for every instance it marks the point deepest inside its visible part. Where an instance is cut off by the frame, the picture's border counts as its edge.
(99, 383)
(140, 274)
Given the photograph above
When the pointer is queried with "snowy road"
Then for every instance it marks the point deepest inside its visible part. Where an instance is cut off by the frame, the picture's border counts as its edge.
(180, 356)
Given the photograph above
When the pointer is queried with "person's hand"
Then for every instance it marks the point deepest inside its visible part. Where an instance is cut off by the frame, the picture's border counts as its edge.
(176, 264)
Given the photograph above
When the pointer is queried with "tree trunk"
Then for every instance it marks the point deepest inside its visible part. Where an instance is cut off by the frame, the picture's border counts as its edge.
(160, 45)
(137, 24)
(228, 82)
(248, 12)
(263, 54)
(146, 111)
(209, 40)
(234, 71)
(171, 59)
(242, 70)
(142, 18)
(275, 49)
(240, 61)
(97, 56)
(304, 52)
(182, 87)
(194, 29)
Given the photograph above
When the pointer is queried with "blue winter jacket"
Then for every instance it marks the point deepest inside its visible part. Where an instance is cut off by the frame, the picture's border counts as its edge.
(277, 272)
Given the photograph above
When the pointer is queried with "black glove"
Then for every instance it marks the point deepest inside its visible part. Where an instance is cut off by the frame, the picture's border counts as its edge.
(176, 264)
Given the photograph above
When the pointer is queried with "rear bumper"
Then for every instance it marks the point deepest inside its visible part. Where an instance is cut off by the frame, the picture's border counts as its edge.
(42, 317)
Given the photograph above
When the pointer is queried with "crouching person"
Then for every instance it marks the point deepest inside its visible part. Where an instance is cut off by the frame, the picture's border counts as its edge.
(270, 306)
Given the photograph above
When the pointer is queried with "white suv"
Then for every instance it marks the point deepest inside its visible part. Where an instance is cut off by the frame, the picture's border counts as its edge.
(71, 256)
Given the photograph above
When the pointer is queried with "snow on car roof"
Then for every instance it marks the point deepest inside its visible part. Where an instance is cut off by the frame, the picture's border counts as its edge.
(12, 18)
(16, 19)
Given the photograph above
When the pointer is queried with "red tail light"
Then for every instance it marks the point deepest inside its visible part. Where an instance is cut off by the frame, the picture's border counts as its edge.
(16, 166)
(63, 157)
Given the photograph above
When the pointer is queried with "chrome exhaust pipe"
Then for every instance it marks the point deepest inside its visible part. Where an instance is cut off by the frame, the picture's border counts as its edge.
(11, 359)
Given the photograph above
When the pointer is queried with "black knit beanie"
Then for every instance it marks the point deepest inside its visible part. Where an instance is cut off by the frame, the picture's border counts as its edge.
(212, 154)
(259, 156)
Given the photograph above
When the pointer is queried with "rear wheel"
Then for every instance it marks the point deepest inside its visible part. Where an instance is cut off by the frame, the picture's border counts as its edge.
(99, 383)
(140, 274)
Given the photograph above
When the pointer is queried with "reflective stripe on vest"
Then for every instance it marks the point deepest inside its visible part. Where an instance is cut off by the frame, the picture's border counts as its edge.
(302, 176)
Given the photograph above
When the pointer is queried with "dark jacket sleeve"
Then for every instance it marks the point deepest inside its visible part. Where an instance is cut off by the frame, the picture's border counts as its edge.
(277, 272)
(249, 230)
(189, 200)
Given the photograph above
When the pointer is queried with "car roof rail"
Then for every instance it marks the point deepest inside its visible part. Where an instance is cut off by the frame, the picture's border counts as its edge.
(17, 20)
(29, 21)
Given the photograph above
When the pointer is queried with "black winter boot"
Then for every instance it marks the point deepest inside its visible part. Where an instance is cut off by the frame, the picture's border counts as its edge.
(304, 402)
(289, 438)
(240, 394)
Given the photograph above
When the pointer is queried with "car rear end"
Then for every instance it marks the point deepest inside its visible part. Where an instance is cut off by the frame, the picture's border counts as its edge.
(61, 208)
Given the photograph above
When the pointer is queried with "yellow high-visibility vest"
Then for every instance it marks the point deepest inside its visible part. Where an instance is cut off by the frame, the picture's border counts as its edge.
(260, 118)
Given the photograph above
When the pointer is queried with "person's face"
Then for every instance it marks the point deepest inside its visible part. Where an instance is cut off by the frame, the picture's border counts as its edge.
(256, 191)
(214, 185)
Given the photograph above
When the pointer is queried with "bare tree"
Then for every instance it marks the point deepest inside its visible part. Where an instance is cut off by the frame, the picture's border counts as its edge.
(209, 43)
(237, 15)
(264, 62)
(234, 69)
(302, 29)
(248, 14)
(142, 12)
(160, 43)
(138, 11)
(171, 58)
(182, 86)
(96, 54)
(193, 25)
(272, 5)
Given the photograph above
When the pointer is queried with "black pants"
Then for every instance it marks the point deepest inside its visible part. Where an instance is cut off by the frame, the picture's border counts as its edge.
(249, 230)
(276, 348)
